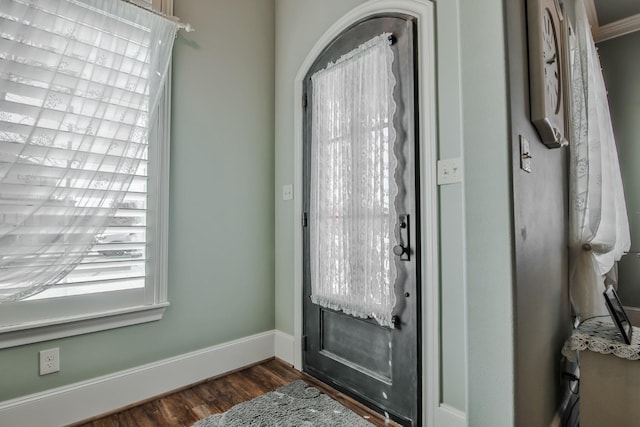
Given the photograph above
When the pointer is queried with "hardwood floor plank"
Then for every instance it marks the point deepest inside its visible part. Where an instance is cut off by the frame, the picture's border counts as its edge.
(185, 407)
(178, 408)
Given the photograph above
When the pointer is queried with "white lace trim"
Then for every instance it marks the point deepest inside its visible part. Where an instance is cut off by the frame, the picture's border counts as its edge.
(382, 317)
(601, 336)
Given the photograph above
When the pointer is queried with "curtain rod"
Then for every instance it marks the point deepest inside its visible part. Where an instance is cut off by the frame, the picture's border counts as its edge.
(187, 27)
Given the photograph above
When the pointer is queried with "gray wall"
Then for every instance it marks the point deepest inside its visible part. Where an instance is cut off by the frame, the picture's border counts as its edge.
(221, 225)
(475, 228)
(620, 60)
(540, 207)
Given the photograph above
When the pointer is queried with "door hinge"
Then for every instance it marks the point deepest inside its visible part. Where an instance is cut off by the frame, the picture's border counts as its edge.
(304, 101)
(304, 343)
(305, 221)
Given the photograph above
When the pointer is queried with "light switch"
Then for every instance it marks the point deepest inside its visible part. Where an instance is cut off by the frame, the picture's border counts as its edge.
(449, 171)
(287, 192)
(525, 154)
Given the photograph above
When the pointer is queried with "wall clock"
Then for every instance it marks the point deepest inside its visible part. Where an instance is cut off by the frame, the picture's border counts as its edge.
(547, 71)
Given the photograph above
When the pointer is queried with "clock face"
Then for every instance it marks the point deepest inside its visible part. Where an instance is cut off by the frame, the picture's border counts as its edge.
(551, 62)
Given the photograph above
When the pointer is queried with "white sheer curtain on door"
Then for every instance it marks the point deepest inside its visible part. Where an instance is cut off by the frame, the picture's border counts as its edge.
(599, 226)
(353, 191)
(79, 83)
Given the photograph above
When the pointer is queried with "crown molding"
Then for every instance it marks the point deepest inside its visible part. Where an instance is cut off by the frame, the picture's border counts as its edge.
(612, 29)
(617, 28)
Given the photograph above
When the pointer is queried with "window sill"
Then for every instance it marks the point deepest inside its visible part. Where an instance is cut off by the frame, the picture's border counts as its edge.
(12, 336)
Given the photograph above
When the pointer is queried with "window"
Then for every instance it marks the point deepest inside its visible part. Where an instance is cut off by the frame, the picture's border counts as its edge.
(83, 138)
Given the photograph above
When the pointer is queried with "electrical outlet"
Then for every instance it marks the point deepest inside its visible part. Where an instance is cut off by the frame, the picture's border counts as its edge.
(49, 361)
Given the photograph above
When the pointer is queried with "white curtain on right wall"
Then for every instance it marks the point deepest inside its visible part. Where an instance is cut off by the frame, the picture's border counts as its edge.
(598, 222)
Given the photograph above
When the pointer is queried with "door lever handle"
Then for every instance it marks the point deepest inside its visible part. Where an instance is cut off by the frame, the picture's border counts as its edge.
(403, 249)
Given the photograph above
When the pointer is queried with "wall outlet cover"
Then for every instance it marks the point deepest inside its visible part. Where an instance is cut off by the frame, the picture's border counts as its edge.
(49, 361)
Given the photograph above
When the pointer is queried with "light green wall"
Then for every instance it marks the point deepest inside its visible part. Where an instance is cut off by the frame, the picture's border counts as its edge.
(620, 60)
(471, 84)
(299, 24)
(452, 316)
(487, 207)
(222, 198)
(221, 217)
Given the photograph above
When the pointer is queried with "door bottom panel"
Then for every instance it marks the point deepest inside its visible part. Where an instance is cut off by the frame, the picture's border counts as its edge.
(358, 343)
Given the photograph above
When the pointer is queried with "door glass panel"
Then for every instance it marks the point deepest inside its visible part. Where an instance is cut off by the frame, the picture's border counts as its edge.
(353, 190)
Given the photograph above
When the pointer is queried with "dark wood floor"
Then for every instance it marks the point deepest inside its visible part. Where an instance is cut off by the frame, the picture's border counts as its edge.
(185, 407)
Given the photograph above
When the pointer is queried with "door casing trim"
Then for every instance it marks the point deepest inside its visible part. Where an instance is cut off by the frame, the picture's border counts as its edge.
(423, 11)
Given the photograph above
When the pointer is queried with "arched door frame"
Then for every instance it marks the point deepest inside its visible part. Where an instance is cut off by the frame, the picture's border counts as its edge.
(423, 10)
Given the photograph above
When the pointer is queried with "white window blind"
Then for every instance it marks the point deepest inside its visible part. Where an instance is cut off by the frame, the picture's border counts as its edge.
(80, 83)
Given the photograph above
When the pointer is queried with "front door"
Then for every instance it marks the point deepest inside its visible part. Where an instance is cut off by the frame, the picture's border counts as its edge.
(361, 289)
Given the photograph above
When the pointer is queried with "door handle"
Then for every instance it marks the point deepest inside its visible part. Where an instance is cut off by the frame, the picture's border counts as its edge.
(399, 250)
(403, 249)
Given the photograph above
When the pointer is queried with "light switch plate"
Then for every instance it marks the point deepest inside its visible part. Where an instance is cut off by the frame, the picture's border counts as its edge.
(287, 192)
(525, 154)
(449, 171)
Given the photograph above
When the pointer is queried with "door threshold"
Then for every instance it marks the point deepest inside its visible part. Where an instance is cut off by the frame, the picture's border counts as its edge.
(370, 412)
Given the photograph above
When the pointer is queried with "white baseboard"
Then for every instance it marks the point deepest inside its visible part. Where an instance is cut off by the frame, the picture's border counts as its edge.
(448, 416)
(284, 347)
(87, 399)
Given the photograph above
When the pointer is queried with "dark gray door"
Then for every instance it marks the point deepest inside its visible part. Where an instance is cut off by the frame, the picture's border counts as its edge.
(377, 365)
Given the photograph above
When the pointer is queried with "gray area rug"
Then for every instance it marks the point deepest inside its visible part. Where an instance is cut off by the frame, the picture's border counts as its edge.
(296, 404)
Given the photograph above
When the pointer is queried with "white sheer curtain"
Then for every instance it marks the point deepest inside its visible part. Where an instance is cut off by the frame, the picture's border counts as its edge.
(353, 191)
(599, 227)
(79, 84)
